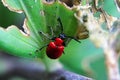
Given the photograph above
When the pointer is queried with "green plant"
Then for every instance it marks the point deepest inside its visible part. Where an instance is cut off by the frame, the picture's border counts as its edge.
(39, 16)
(82, 58)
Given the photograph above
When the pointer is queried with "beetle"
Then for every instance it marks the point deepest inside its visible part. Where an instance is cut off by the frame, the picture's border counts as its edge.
(55, 48)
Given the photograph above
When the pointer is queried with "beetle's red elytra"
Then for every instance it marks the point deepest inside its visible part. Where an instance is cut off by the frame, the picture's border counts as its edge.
(55, 49)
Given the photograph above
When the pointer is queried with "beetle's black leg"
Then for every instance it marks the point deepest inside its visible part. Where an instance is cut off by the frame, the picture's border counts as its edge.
(63, 52)
(41, 48)
(73, 38)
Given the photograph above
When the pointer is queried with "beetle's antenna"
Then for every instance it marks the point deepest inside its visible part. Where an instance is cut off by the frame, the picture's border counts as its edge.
(73, 38)
(51, 30)
(59, 20)
(63, 36)
(40, 32)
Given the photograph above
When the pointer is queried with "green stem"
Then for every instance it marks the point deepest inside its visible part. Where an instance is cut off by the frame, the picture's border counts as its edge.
(52, 64)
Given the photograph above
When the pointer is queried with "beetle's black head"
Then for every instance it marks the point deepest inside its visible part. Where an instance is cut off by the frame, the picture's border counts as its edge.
(62, 36)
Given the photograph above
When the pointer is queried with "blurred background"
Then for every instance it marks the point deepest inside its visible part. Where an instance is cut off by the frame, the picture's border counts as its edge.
(85, 58)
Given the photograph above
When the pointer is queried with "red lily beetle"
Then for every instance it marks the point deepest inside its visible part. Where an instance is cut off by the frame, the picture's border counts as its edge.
(56, 47)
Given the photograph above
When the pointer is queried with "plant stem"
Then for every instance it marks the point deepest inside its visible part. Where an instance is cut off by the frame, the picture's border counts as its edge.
(112, 63)
(51, 64)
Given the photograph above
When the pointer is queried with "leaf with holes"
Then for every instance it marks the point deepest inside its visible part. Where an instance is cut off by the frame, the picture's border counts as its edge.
(40, 16)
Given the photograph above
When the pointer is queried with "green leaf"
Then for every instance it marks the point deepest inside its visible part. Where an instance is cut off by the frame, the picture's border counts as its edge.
(32, 24)
(78, 57)
(110, 8)
(39, 16)
(16, 43)
(13, 5)
(57, 10)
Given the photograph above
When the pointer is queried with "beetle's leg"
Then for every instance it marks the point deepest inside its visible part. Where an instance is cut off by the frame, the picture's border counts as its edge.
(73, 38)
(63, 52)
(41, 48)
